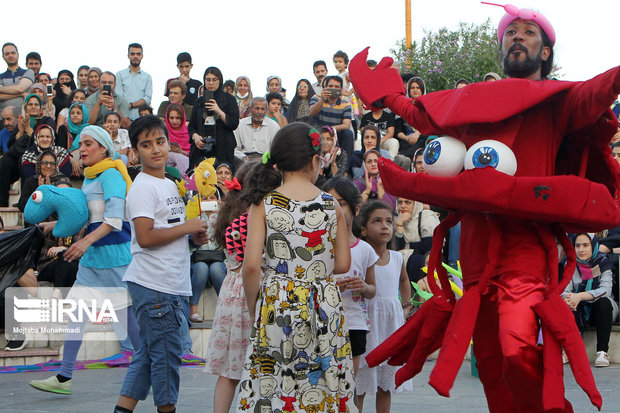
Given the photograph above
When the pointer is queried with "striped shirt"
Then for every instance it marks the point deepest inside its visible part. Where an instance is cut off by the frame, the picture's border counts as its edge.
(331, 115)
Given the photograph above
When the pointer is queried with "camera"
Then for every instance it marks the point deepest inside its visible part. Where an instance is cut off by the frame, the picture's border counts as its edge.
(107, 89)
(49, 89)
(209, 142)
(335, 92)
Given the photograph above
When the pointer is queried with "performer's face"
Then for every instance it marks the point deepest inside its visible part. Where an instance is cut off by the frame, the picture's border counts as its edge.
(522, 49)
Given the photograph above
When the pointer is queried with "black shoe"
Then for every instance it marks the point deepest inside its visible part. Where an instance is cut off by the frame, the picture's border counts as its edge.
(16, 345)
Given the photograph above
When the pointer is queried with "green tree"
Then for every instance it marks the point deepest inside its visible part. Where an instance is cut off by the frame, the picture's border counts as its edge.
(444, 57)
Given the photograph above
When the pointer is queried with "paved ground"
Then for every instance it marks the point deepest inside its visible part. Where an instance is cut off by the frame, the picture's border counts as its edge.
(96, 391)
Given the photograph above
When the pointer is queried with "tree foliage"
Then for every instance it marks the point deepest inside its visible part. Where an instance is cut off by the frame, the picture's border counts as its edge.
(444, 57)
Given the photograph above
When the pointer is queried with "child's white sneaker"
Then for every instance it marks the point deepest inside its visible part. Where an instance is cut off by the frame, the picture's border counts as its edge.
(602, 359)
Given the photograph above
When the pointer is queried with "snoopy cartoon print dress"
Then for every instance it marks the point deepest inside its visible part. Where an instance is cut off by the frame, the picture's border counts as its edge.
(299, 356)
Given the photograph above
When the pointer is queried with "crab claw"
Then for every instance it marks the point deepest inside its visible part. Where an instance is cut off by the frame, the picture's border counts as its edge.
(397, 348)
(559, 322)
(418, 338)
(373, 85)
(429, 339)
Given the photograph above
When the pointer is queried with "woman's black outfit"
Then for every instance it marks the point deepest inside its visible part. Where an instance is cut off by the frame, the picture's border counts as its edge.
(225, 143)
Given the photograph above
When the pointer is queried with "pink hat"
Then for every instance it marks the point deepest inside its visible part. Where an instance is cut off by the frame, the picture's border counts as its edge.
(513, 13)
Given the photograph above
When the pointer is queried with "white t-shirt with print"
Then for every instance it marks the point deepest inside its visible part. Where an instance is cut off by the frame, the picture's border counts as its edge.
(363, 256)
(165, 268)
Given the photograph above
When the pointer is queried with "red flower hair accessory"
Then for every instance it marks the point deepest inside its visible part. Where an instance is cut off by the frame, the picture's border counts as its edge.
(315, 137)
(234, 184)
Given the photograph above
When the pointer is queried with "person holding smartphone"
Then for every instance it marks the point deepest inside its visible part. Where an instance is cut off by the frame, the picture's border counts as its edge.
(215, 115)
(106, 100)
(330, 109)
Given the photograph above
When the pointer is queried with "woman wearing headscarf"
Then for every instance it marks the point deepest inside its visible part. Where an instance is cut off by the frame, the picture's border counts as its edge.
(82, 74)
(371, 139)
(104, 252)
(94, 74)
(334, 161)
(64, 87)
(413, 233)
(409, 138)
(589, 296)
(178, 157)
(78, 120)
(274, 85)
(243, 93)
(47, 173)
(44, 140)
(33, 117)
(214, 117)
(299, 109)
(39, 89)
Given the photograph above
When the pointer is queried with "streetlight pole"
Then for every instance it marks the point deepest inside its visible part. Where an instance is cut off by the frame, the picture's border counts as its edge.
(408, 23)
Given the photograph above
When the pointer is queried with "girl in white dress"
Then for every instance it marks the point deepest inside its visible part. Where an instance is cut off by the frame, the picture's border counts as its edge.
(386, 311)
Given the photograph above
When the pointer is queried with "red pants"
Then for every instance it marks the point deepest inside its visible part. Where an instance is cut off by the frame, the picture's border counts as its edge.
(505, 337)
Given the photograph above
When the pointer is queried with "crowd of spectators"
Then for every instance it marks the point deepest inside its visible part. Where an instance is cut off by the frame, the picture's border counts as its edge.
(43, 116)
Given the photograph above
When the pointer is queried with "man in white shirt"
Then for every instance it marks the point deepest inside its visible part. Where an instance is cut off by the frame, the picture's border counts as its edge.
(133, 83)
(255, 132)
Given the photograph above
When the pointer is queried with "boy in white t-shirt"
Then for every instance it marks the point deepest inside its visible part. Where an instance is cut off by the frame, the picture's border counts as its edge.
(158, 276)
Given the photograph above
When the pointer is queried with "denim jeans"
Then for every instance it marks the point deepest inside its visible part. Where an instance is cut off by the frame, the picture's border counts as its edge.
(159, 357)
(204, 275)
(453, 246)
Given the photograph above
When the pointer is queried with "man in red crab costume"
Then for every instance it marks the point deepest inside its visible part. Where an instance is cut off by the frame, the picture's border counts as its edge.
(566, 181)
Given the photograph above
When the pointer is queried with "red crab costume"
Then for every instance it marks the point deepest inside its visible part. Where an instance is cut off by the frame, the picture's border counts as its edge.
(566, 181)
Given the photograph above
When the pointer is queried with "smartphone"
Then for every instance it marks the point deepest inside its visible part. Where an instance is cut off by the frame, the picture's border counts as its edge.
(335, 92)
(50, 89)
(209, 206)
(107, 89)
(209, 95)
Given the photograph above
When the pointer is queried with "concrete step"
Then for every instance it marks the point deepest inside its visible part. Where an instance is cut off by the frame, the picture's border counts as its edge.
(27, 356)
(13, 196)
(11, 216)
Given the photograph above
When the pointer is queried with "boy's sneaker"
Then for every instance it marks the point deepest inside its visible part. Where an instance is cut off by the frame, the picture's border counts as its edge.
(52, 385)
(16, 345)
(602, 359)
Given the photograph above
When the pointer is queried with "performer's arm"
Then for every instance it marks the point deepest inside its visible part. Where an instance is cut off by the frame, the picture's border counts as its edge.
(587, 101)
(412, 114)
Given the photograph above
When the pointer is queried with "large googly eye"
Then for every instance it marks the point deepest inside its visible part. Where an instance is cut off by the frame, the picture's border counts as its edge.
(491, 153)
(444, 156)
(206, 174)
(37, 196)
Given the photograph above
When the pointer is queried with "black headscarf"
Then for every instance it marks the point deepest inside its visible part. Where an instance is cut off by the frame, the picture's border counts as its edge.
(61, 100)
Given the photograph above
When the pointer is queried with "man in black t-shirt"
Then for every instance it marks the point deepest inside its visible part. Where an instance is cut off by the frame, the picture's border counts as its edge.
(184, 64)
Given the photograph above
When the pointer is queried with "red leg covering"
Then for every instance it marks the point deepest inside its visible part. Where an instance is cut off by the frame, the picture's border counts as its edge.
(513, 323)
(455, 343)
(489, 357)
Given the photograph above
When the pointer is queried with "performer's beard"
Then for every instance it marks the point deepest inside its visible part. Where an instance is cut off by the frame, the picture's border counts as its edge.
(521, 69)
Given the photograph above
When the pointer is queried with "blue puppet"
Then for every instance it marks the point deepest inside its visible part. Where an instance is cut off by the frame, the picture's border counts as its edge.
(68, 203)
